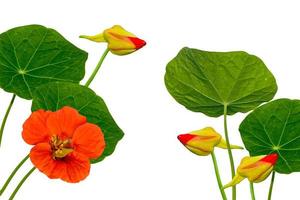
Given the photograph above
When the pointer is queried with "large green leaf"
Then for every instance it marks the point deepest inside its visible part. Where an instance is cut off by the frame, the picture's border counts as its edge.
(55, 95)
(206, 81)
(34, 55)
(275, 127)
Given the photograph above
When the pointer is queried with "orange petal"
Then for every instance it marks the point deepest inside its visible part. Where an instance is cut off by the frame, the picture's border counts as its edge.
(41, 157)
(64, 122)
(77, 167)
(35, 129)
(73, 168)
(88, 139)
(59, 170)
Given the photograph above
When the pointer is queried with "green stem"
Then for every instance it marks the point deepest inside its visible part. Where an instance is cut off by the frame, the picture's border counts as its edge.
(5, 117)
(224, 197)
(21, 183)
(229, 152)
(252, 191)
(13, 174)
(271, 186)
(97, 68)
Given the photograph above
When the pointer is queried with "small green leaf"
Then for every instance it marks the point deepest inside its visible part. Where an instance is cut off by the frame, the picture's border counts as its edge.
(34, 55)
(55, 95)
(207, 81)
(275, 128)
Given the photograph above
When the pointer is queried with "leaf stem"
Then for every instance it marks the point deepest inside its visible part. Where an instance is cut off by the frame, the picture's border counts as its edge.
(97, 68)
(21, 183)
(229, 152)
(271, 186)
(5, 117)
(13, 174)
(224, 197)
(252, 191)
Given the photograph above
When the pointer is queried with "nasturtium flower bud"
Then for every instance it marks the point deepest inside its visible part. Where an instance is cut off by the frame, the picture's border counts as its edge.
(203, 141)
(256, 169)
(120, 41)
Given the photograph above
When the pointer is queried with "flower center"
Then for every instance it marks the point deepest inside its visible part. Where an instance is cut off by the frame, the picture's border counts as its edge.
(60, 148)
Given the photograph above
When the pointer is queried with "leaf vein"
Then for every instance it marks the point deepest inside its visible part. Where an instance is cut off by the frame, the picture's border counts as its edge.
(36, 50)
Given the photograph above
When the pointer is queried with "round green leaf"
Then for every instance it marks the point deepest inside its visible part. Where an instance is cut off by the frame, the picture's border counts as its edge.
(55, 95)
(205, 81)
(275, 128)
(34, 55)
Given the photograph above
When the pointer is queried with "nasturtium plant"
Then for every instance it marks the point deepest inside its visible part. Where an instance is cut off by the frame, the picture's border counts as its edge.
(275, 128)
(55, 95)
(224, 83)
(33, 55)
(207, 82)
(70, 126)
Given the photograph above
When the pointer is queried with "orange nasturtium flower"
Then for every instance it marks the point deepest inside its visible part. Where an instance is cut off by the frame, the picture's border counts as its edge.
(64, 142)
(120, 41)
(203, 141)
(256, 169)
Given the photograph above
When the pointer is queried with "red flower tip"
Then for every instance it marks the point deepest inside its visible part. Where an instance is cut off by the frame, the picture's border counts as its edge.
(139, 43)
(271, 158)
(185, 138)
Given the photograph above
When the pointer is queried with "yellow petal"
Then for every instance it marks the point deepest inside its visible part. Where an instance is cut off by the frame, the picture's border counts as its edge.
(202, 144)
(247, 161)
(122, 52)
(263, 176)
(207, 131)
(236, 180)
(119, 30)
(200, 151)
(223, 145)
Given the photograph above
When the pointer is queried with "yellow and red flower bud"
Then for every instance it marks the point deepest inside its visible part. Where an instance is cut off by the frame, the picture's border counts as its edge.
(256, 169)
(120, 41)
(203, 141)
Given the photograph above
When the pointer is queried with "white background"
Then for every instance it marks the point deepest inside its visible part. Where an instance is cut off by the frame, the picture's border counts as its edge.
(149, 163)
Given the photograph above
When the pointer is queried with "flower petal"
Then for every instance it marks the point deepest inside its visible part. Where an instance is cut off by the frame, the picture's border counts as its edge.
(64, 122)
(77, 167)
(263, 176)
(117, 30)
(41, 158)
(35, 129)
(88, 139)
(73, 168)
